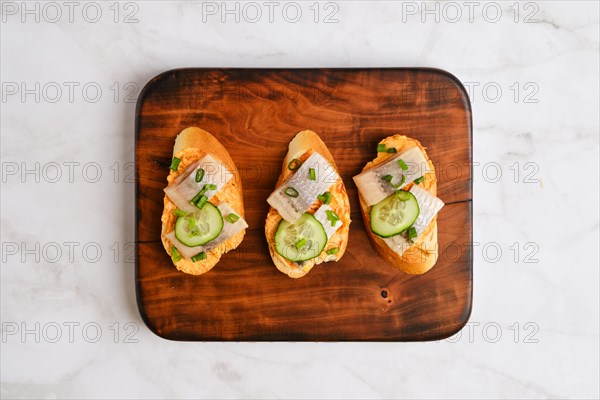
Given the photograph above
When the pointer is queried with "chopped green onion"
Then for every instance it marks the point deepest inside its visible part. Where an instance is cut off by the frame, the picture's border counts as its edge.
(333, 250)
(412, 233)
(325, 197)
(419, 180)
(381, 148)
(402, 164)
(402, 195)
(175, 163)
(300, 243)
(391, 150)
(201, 201)
(205, 188)
(175, 254)
(199, 256)
(332, 216)
(312, 174)
(399, 184)
(294, 164)
(197, 196)
(199, 175)
(389, 178)
(192, 222)
(232, 218)
(179, 213)
(290, 191)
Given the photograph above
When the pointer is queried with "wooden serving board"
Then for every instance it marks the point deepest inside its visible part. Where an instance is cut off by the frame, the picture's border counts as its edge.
(255, 113)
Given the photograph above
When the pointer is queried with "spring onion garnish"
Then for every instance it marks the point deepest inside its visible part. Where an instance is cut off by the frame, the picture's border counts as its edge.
(199, 256)
(300, 243)
(312, 175)
(399, 184)
(232, 218)
(332, 216)
(197, 196)
(381, 148)
(179, 213)
(175, 163)
(192, 223)
(199, 175)
(391, 150)
(419, 180)
(294, 164)
(412, 233)
(402, 164)
(402, 195)
(290, 191)
(325, 197)
(205, 188)
(201, 201)
(389, 178)
(333, 250)
(175, 254)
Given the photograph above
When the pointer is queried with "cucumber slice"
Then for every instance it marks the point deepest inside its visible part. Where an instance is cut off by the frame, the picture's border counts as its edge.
(302, 240)
(206, 225)
(394, 214)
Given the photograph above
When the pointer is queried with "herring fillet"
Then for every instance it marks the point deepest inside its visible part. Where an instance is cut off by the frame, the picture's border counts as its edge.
(373, 189)
(429, 206)
(229, 229)
(292, 208)
(185, 187)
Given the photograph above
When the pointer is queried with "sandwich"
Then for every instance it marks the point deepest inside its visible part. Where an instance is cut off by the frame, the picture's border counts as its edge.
(397, 195)
(203, 215)
(309, 217)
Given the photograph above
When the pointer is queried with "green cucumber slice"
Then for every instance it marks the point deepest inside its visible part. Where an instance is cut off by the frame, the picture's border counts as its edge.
(302, 240)
(206, 226)
(394, 214)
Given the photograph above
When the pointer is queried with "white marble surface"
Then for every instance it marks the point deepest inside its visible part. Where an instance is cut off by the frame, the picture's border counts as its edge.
(552, 304)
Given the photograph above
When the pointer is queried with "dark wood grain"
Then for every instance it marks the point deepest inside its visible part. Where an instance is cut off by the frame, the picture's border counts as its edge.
(255, 113)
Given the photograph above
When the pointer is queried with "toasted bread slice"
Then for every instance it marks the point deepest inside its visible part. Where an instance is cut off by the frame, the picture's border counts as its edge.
(191, 145)
(301, 147)
(422, 255)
